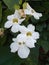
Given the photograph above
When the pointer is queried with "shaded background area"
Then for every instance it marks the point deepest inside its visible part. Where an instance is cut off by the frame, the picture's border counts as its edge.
(40, 54)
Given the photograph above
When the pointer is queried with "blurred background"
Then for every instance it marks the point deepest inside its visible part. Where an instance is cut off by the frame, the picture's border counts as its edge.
(40, 54)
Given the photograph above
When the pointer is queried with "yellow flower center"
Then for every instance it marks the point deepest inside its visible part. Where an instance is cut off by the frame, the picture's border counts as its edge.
(20, 43)
(15, 20)
(29, 34)
(32, 11)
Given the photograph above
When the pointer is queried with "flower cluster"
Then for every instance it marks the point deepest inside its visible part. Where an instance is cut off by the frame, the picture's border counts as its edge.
(27, 37)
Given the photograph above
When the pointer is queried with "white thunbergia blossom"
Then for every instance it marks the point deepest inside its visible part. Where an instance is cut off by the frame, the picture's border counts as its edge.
(30, 34)
(14, 22)
(24, 41)
(31, 11)
(20, 46)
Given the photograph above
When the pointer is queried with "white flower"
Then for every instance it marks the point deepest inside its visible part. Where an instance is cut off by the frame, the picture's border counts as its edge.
(31, 11)
(20, 46)
(14, 22)
(30, 34)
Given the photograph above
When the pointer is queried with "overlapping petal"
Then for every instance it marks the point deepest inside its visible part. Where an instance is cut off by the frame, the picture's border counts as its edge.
(35, 35)
(30, 42)
(31, 27)
(8, 24)
(15, 28)
(14, 47)
(23, 52)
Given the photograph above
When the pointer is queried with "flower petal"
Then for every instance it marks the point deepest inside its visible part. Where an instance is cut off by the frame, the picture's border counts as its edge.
(27, 12)
(15, 28)
(21, 37)
(20, 20)
(23, 52)
(16, 14)
(29, 7)
(23, 29)
(30, 43)
(39, 14)
(8, 24)
(31, 27)
(36, 16)
(35, 35)
(14, 39)
(10, 17)
(14, 47)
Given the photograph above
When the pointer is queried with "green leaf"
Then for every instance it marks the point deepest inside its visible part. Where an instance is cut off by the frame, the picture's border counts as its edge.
(44, 40)
(39, 8)
(24, 5)
(33, 57)
(48, 27)
(26, 22)
(44, 17)
(46, 5)
(11, 3)
(47, 64)
(48, 61)
(2, 40)
(4, 18)
(16, 7)
(40, 27)
(34, 20)
(0, 11)
(20, 2)
(45, 45)
(8, 58)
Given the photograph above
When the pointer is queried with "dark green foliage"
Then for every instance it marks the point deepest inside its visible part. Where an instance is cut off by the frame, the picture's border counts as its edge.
(42, 26)
(0, 11)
